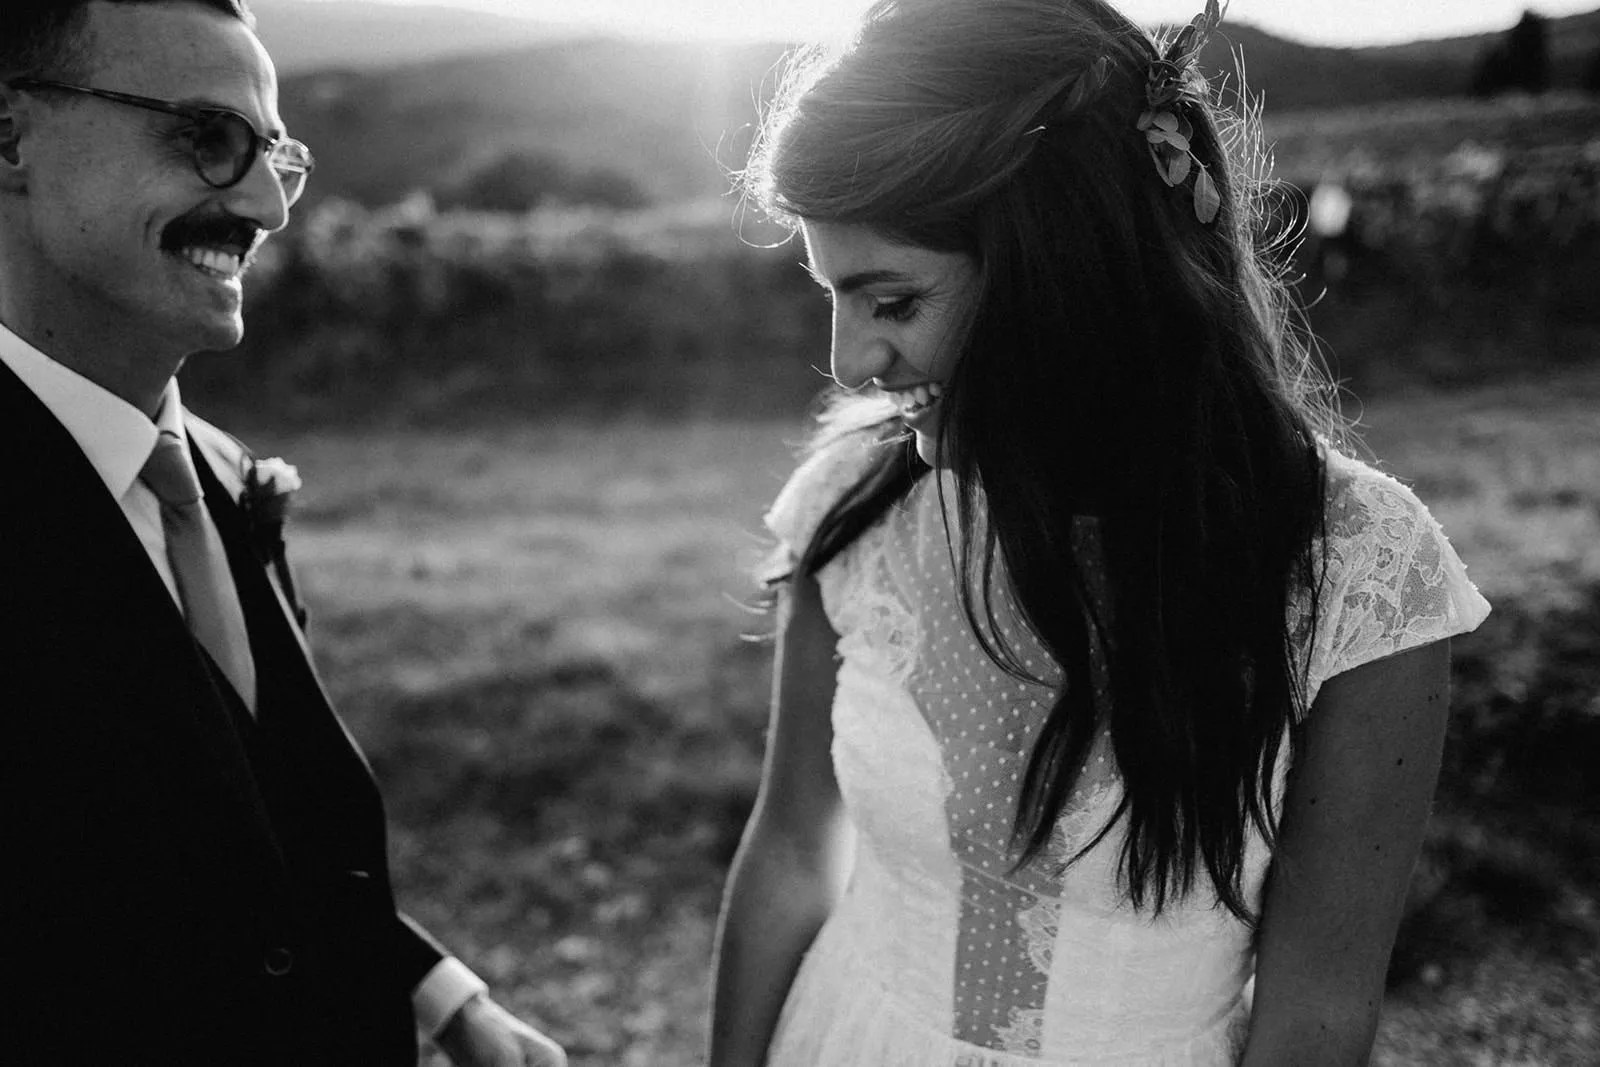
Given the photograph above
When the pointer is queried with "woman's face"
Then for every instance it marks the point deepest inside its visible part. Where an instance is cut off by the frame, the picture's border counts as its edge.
(895, 310)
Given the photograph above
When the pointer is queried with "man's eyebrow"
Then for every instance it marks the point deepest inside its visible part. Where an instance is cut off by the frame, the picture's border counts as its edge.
(850, 283)
(200, 103)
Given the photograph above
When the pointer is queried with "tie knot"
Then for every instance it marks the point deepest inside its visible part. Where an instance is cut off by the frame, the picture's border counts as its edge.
(170, 473)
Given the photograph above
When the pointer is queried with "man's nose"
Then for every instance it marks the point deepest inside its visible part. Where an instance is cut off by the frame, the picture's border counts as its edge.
(858, 355)
(259, 198)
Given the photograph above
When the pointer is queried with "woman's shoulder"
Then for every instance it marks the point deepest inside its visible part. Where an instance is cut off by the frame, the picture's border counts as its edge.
(1363, 501)
(1392, 580)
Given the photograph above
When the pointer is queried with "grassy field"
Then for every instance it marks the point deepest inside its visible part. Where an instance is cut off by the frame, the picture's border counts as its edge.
(536, 633)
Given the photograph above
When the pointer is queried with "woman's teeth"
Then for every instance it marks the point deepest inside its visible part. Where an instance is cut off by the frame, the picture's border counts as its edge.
(225, 264)
(918, 398)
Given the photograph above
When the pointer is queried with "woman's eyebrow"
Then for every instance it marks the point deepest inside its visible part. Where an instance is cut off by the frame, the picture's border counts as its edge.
(859, 280)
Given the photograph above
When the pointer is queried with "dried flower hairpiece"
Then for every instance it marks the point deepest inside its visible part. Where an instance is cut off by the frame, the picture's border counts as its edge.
(1168, 131)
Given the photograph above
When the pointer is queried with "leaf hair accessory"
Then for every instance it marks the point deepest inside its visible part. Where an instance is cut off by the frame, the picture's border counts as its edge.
(1166, 130)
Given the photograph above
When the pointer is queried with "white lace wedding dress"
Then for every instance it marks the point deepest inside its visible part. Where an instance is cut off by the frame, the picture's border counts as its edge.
(937, 956)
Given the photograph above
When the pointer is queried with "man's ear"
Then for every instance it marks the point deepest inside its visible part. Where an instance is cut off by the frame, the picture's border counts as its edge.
(13, 121)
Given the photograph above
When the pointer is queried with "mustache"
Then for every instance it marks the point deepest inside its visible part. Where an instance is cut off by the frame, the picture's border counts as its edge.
(226, 231)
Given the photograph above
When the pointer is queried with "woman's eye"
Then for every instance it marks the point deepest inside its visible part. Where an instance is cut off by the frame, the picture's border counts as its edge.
(897, 309)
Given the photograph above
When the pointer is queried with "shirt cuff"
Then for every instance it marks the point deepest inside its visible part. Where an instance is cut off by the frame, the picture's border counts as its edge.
(442, 992)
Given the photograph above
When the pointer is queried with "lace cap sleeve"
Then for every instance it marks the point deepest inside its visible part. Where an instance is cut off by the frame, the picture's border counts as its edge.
(1393, 581)
(816, 485)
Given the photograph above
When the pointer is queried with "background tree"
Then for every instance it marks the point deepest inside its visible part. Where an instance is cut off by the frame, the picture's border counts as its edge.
(1520, 60)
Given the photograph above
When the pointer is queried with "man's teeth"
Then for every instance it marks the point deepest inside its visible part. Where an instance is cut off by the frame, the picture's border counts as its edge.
(224, 263)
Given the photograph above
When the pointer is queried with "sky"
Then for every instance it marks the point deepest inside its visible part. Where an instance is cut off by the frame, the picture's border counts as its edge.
(1331, 22)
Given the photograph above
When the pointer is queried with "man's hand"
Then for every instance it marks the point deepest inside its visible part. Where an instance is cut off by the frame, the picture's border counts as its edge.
(483, 1034)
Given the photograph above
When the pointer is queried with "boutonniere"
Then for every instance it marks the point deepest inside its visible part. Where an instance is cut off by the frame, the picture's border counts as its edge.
(269, 488)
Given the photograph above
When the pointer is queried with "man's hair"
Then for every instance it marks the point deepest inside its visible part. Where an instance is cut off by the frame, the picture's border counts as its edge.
(44, 36)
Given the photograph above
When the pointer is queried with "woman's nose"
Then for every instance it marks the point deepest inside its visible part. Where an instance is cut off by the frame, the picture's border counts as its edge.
(858, 355)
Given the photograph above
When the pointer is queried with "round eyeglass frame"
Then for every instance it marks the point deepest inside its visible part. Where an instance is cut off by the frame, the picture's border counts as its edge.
(291, 161)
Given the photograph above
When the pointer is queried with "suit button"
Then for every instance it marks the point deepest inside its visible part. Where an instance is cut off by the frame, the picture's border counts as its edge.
(277, 961)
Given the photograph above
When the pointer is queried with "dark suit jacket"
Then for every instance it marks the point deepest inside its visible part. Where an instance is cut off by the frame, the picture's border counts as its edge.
(182, 884)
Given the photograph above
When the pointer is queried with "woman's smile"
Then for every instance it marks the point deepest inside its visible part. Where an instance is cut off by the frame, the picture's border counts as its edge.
(916, 401)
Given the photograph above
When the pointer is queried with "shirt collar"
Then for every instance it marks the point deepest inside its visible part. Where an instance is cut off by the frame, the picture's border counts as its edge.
(115, 436)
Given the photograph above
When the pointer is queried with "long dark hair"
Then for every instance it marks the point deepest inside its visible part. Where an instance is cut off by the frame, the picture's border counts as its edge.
(1124, 363)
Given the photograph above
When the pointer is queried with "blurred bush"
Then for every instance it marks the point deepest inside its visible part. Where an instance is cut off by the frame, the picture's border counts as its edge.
(447, 316)
(521, 181)
(1513, 851)
(1482, 260)
(1528, 686)
(1465, 244)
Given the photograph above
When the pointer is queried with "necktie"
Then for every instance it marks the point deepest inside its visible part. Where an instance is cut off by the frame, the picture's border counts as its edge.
(200, 564)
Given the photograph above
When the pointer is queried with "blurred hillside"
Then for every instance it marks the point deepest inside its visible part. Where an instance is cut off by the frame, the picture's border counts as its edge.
(665, 115)
(1291, 76)
(672, 117)
(303, 35)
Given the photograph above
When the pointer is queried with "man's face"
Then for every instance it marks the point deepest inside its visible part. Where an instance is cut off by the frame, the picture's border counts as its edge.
(116, 214)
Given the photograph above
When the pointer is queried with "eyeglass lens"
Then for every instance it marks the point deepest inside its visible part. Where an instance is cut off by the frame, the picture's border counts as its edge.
(225, 148)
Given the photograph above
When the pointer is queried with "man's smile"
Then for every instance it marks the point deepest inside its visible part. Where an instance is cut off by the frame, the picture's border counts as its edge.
(222, 263)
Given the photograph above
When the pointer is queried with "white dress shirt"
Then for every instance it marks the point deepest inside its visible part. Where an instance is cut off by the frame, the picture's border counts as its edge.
(117, 439)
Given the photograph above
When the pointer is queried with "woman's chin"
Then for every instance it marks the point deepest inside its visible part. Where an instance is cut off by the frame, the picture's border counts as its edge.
(928, 446)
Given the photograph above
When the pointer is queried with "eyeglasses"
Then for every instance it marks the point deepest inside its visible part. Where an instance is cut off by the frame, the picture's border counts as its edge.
(223, 144)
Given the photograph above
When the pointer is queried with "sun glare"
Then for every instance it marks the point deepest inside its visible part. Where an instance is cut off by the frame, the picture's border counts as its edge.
(1351, 22)
(686, 19)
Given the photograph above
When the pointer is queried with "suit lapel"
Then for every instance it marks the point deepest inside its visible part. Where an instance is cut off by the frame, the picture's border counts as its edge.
(312, 766)
(220, 460)
(275, 642)
(284, 662)
(79, 577)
